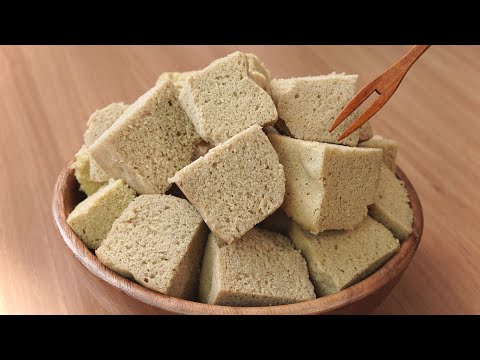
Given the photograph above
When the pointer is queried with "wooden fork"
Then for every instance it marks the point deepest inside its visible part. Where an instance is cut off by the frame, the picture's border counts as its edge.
(385, 85)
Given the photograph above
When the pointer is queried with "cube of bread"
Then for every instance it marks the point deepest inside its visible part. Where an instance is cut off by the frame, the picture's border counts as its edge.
(178, 78)
(365, 132)
(158, 241)
(235, 185)
(309, 105)
(256, 71)
(338, 259)
(261, 269)
(222, 100)
(391, 208)
(257, 68)
(97, 124)
(328, 187)
(149, 142)
(389, 148)
(92, 219)
(81, 167)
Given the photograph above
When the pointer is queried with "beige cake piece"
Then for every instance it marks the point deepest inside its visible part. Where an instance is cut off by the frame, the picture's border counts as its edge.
(261, 269)
(235, 185)
(81, 167)
(158, 241)
(178, 78)
(222, 100)
(257, 74)
(309, 105)
(257, 68)
(365, 132)
(392, 207)
(93, 217)
(338, 259)
(388, 146)
(97, 124)
(328, 187)
(149, 142)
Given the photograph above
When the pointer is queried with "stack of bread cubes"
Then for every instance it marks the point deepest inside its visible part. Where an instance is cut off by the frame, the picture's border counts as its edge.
(268, 208)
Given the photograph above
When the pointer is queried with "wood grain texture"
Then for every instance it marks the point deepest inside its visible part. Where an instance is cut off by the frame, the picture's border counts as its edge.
(48, 92)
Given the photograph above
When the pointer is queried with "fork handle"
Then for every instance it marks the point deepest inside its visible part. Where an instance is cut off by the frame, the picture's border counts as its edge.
(409, 58)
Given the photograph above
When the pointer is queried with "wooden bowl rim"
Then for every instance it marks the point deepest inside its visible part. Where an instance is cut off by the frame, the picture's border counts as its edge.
(389, 271)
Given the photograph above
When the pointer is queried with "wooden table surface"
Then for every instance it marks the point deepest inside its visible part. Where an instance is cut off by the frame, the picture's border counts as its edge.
(48, 92)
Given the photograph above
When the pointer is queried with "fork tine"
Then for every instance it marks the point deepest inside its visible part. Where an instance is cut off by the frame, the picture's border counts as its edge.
(355, 102)
(362, 119)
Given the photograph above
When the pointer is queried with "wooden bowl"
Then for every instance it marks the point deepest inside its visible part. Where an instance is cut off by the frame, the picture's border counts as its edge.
(360, 298)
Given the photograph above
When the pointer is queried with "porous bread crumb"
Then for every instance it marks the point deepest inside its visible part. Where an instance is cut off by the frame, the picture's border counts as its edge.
(222, 100)
(327, 186)
(97, 124)
(261, 269)
(149, 142)
(235, 185)
(158, 241)
(309, 105)
(81, 167)
(338, 259)
(388, 146)
(392, 208)
(256, 72)
(92, 218)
